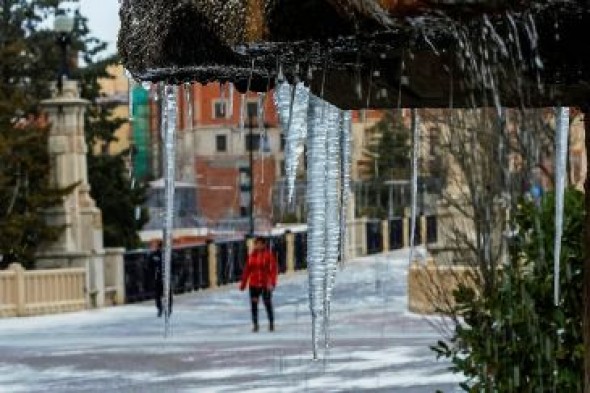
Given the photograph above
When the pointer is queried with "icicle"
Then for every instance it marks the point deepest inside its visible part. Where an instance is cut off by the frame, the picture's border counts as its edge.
(188, 99)
(332, 209)
(169, 165)
(262, 131)
(292, 110)
(561, 152)
(316, 215)
(415, 155)
(131, 85)
(230, 106)
(345, 160)
(242, 123)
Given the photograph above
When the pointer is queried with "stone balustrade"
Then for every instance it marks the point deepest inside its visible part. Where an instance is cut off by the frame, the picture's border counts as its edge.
(37, 292)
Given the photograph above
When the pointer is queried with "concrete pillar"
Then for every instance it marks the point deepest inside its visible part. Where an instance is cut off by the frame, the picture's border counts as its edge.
(363, 229)
(115, 273)
(19, 280)
(423, 230)
(250, 244)
(290, 243)
(212, 260)
(385, 235)
(67, 151)
(78, 214)
(406, 231)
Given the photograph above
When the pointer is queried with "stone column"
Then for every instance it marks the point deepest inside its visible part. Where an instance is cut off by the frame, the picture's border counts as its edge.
(212, 261)
(290, 240)
(385, 235)
(81, 243)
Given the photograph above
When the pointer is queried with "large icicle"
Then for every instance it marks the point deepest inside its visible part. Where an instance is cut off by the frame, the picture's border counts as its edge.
(332, 120)
(169, 165)
(415, 155)
(316, 215)
(263, 145)
(292, 104)
(561, 152)
(345, 160)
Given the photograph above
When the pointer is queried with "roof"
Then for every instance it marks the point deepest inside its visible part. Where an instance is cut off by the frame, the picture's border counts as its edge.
(361, 53)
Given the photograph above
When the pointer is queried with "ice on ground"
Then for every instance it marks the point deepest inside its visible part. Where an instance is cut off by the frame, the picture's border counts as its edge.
(378, 345)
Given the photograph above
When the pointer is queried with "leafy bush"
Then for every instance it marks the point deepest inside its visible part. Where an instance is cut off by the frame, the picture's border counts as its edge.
(516, 339)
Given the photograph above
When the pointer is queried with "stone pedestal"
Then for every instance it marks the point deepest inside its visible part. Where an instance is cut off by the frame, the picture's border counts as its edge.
(81, 243)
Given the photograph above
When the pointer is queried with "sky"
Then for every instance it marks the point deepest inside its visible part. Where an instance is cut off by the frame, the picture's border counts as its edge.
(103, 18)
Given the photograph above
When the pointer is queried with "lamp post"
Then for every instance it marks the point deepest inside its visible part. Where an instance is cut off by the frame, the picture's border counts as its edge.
(251, 148)
(63, 26)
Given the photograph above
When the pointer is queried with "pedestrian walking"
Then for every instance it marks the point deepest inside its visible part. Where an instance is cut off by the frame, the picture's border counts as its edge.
(156, 260)
(260, 274)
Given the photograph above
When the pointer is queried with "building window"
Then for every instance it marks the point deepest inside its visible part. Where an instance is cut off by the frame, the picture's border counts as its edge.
(252, 142)
(252, 109)
(221, 143)
(220, 109)
(283, 141)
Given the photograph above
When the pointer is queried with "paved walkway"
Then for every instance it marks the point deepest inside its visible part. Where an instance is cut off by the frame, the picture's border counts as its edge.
(377, 345)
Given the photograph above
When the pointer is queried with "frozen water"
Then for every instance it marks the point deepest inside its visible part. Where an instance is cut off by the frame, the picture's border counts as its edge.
(262, 130)
(415, 155)
(333, 199)
(316, 214)
(169, 157)
(345, 161)
(561, 151)
(120, 350)
(292, 104)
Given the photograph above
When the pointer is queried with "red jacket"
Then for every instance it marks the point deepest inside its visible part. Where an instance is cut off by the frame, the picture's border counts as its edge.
(260, 270)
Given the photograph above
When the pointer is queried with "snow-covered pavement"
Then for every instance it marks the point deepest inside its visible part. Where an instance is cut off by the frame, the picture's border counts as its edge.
(377, 346)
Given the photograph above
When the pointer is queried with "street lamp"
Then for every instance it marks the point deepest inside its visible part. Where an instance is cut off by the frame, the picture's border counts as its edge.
(63, 26)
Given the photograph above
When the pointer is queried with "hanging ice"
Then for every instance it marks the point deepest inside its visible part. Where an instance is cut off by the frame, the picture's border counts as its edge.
(263, 145)
(561, 152)
(169, 165)
(345, 160)
(242, 124)
(332, 121)
(188, 99)
(230, 104)
(292, 104)
(316, 215)
(415, 155)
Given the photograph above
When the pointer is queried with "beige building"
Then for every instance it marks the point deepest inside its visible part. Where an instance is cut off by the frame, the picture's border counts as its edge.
(115, 91)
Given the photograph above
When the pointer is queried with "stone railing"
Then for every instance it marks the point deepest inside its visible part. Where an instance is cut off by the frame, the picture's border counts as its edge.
(431, 286)
(38, 292)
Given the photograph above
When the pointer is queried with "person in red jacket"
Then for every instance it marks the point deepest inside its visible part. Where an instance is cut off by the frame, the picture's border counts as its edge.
(260, 274)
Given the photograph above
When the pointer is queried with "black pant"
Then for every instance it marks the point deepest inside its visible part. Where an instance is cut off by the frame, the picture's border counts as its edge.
(255, 293)
(160, 295)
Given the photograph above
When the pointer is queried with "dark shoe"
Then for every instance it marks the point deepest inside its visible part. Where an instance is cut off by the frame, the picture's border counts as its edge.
(255, 329)
(271, 327)
(159, 313)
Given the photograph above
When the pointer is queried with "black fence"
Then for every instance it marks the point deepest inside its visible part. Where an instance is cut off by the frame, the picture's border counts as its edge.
(431, 229)
(396, 233)
(374, 237)
(278, 245)
(139, 276)
(190, 272)
(231, 258)
(300, 250)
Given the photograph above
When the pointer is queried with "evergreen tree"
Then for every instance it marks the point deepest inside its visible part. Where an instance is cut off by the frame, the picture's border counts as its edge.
(389, 149)
(29, 60)
(388, 158)
(25, 189)
(116, 194)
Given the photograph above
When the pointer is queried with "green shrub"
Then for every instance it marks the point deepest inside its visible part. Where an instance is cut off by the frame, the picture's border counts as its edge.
(516, 339)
